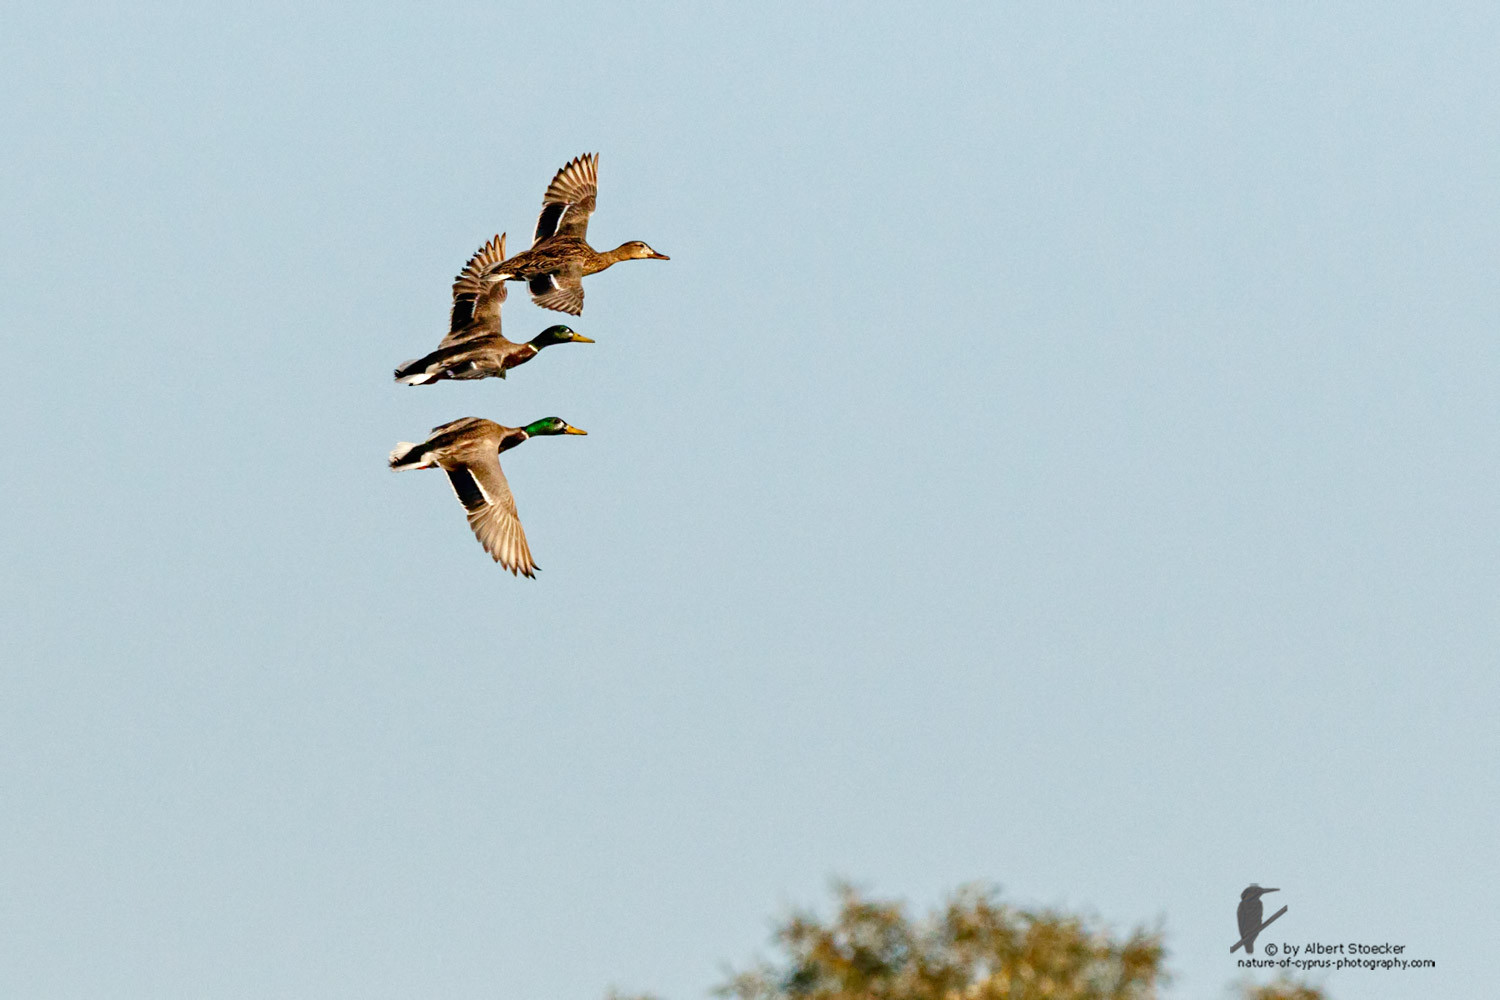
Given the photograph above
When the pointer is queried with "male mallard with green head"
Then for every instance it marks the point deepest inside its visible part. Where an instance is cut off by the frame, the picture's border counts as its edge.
(469, 450)
(560, 256)
(474, 347)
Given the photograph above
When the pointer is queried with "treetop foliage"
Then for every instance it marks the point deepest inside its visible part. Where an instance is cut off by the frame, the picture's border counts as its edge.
(974, 947)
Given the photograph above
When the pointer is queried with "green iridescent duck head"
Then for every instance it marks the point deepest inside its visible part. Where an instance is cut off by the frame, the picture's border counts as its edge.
(551, 425)
(558, 335)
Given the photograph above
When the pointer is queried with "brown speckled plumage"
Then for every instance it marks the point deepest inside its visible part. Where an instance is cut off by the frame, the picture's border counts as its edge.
(474, 347)
(560, 256)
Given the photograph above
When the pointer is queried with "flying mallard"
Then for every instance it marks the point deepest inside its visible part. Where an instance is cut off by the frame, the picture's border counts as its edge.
(560, 256)
(474, 347)
(468, 449)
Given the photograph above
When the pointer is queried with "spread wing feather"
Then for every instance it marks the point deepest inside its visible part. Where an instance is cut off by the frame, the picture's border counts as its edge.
(562, 291)
(569, 200)
(476, 302)
(492, 513)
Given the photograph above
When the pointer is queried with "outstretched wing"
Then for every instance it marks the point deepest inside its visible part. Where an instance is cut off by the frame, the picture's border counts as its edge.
(569, 200)
(452, 426)
(486, 496)
(474, 298)
(562, 291)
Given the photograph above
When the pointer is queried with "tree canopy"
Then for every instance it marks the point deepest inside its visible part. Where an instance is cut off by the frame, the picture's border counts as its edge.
(1283, 989)
(973, 947)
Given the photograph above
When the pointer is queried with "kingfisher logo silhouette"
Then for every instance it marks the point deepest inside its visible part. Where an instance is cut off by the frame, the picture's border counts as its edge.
(1249, 914)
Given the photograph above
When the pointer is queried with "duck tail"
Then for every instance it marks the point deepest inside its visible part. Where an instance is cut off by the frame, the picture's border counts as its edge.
(418, 371)
(407, 456)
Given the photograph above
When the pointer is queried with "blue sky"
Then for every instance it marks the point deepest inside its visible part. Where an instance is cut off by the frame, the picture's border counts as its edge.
(1060, 452)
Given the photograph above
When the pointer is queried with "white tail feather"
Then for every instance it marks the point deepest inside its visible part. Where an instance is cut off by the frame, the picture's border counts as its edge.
(405, 456)
(413, 378)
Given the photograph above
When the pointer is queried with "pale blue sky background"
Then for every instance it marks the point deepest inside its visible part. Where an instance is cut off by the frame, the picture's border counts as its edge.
(1060, 452)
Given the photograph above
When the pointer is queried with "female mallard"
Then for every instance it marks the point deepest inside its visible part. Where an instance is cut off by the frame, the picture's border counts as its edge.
(560, 256)
(474, 347)
(468, 449)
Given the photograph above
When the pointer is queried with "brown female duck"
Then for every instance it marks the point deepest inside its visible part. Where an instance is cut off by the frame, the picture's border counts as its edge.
(474, 347)
(560, 255)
